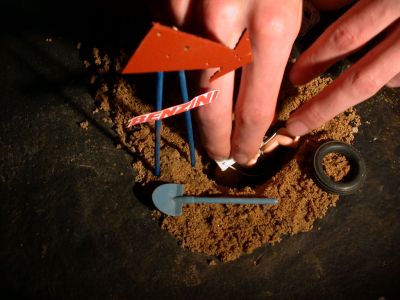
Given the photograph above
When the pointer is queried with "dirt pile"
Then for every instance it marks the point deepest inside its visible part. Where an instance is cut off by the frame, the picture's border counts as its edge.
(225, 231)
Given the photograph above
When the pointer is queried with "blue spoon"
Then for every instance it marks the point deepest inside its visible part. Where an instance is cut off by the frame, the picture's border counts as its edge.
(169, 199)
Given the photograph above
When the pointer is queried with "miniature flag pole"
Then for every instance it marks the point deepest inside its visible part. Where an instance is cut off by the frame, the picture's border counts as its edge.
(159, 99)
(188, 118)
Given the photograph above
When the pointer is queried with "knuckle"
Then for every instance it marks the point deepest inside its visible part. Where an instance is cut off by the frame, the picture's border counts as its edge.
(344, 38)
(269, 27)
(315, 117)
(221, 19)
(364, 85)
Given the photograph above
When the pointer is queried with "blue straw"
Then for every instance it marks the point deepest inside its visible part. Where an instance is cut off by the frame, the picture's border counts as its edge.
(188, 118)
(159, 99)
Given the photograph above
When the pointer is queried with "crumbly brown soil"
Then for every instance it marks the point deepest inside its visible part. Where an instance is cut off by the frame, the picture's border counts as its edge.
(336, 166)
(224, 231)
(84, 125)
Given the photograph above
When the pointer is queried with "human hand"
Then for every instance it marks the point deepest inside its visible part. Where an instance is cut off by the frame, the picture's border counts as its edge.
(272, 28)
(378, 67)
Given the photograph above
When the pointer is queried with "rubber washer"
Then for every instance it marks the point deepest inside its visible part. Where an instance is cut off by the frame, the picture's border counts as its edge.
(354, 179)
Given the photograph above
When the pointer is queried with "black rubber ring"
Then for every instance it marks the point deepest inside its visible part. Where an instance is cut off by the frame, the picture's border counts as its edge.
(357, 168)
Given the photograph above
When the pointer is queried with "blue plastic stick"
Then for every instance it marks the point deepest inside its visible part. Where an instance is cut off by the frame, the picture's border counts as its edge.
(188, 118)
(159, 99)
(169, 199)
(209, 200)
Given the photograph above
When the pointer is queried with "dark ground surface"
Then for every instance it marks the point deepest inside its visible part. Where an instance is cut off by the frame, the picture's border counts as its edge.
(71, 227)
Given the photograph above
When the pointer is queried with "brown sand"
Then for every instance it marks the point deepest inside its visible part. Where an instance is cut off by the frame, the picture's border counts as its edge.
(336, 166)
(84, 125)
(224, 231)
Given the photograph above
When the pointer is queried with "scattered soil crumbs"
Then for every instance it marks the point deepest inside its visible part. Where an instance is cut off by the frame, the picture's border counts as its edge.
(336, 166)
(224, 231)
(84, 125)
(212, 262)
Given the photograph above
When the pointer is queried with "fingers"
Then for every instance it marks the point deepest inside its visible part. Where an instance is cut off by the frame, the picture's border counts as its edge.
(272, 29)
(355, 85)
(223, 22)
(350, 32)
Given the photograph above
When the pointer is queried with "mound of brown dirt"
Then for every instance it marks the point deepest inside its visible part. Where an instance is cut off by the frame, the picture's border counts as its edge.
(225, 231)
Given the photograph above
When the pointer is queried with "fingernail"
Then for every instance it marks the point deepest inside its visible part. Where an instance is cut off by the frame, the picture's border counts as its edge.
(244, 160)
(241, 158)
(296, 127)
(252, 161)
